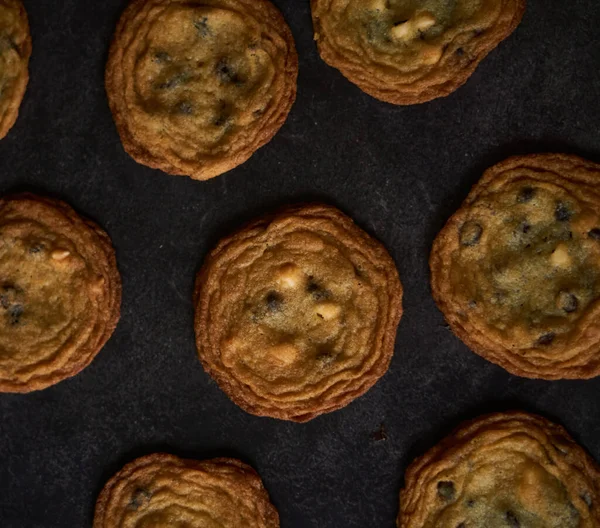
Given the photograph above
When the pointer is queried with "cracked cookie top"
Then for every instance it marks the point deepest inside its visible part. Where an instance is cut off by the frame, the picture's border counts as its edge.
(296, 314)
(411, 51)
(516, 270)
(196, 87)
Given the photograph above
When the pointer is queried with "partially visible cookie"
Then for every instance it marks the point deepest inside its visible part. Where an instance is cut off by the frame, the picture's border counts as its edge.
(407, 52)
(163, 491)
(195, 87)
(506, 470)
(296, 314)
(15, 50)
(60, 292)
(516, 270)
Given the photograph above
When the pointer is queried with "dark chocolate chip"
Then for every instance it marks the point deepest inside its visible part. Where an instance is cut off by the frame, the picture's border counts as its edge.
(594, 234)
(226, 73)
(36, 249)
(274, 302)
(445, 490)
(587, 498)
(318, 293)
(526, 194)
(460, 52)
(472, 304)
(562, 213)
(184, 108)
(470, 503)
(479, 32)
(173, 82)
(161, 57)
(15, 312)
(380, 435)
(512, 520)
(139, 498)
(202, 27)
(470, 234)
(546, 339)
(567, 302)
(525, 227)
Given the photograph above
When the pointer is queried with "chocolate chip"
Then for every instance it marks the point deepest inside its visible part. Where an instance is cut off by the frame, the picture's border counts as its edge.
(525, 227)
(202, 27)
(226, 73)
(274, 302)
(512, 520)
(139, 498)
(562, 213)
(587, 498)
(472, 304)
(173, 82)
(594, 234)
(546, 339)
(161, 57)
(36, 249)
(318, 293)
(460, 52)
(526, 194)
(15, 312)
(470, 503)
(445, 490)
(325, 358)
(567, 302)
(461, 525)
(184, 108)
(470, 234)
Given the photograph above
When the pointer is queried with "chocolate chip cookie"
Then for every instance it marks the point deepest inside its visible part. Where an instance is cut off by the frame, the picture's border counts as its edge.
(195, 87)
(411, 51)
(506, 470)
(15, 50)
(163, 491)
(516, 271)
(60, 292)
(296, 314)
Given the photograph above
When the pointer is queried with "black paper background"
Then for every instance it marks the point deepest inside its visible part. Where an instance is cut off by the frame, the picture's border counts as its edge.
(398, 171)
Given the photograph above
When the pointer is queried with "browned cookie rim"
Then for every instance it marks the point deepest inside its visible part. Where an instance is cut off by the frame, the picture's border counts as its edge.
(81, 357)
(362, 76)
(568, 453)
(574, 367)
(8, 120)
(209, 352)
(129, 470)
(201, 170)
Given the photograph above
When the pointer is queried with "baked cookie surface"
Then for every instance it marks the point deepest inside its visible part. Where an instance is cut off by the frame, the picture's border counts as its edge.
(296, 314)
(15, 50)
(164, 491)
(195, 87)
(516, 270)
(506, 470)
(60, 292)
(411, 51)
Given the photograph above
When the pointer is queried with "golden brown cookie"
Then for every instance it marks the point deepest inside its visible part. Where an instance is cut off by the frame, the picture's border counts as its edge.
(411, 51)
(163, 491)
(516, 270)
(296, 314)
(15, 50)
(60, 292)
(505, 470)
(195, 87)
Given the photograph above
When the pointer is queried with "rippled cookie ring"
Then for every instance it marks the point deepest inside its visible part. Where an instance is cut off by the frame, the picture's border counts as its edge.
(506, 470)
(195, 87)
(411, 51)
(15, 50)
(516, 270)
(296, 314)
(163, 491)
(60, 292)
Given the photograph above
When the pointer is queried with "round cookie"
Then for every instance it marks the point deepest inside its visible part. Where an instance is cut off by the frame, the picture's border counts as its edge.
(162, 491)
(411, 51)
(296, 314)
(195, 87)
(15, 50)
(516, 270)
(505, 470)
(60, 292)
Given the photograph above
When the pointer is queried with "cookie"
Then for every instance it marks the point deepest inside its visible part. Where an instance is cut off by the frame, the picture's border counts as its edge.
(296, 314)
(60, 292)
(161, 491)
(505, 470)
(15, 50)
(516, 270)
(195, 87)
(408, 52)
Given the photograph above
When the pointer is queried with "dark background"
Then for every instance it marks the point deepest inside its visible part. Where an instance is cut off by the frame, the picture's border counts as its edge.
(398, 171)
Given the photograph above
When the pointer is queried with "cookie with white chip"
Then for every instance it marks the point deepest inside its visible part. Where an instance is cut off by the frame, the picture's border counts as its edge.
(296, 314)
(516, 270)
